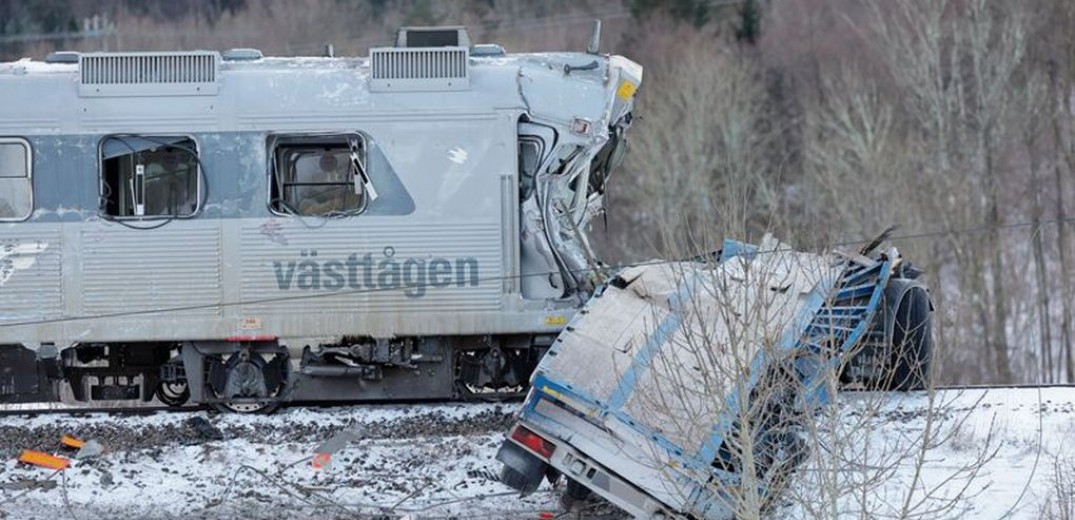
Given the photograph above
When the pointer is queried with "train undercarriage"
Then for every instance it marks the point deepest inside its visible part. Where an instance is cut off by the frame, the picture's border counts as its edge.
(258, 374)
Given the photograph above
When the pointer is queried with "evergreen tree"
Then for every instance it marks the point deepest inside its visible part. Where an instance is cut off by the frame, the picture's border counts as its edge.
(695, 12)
(749, 29)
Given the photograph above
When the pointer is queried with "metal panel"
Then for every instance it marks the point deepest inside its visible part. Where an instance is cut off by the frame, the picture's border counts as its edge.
(616, 326)
(419, 69)
(773, 291)
(279, 261)
(630, 348)
(30, 282)
(126, 270)
(148, 73)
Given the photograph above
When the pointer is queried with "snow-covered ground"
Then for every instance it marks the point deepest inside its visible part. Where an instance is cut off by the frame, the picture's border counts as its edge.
(991, 454)
(430, 460)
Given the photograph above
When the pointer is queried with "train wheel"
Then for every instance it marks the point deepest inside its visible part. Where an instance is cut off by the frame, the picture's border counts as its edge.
(245, 387)
(493, 374)
(247, 407)
(173, 394)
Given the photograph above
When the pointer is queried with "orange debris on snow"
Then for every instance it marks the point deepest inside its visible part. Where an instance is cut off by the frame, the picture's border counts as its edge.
(44, 460)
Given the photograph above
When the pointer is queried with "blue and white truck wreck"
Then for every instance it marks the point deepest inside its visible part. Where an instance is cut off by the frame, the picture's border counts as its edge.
(684, 389)
(244, 231)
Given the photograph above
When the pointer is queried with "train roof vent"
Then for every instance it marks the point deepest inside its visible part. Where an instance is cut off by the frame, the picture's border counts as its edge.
(243, 54)
(62, 57)
(191, 73)
(443, 36)
(419, 69)
(487, 50)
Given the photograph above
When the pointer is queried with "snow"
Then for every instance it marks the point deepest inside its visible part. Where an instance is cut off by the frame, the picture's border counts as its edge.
(263, 466)
(437, 461)
(989, 453)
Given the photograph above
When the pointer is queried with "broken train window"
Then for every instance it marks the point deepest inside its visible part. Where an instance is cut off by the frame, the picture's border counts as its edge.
(321, 175)
(150, 176)
(16, 185)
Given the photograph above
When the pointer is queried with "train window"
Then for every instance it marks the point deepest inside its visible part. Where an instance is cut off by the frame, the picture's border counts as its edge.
(530, 151)
(144, 176)
(16, 185)
(322, 175)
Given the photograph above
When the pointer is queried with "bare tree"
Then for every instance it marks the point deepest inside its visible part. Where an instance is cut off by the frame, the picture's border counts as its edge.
(956, 65)
(708, 381)
(1034, 104)
(1058, 57)
(700, 154)
(1059, 504)
(726, 381)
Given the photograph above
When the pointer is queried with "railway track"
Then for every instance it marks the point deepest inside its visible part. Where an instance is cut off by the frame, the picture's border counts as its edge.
(127, 409)
(118, 409)
(419, 458)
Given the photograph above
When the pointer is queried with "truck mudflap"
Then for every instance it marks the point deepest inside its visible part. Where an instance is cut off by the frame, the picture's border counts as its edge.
(619, 394)
(522, 470)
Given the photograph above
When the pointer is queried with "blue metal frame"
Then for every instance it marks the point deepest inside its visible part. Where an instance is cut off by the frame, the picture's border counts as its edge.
(832, 322)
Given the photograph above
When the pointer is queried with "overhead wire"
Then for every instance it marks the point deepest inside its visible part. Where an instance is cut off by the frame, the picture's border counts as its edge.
(506, 278)
(165, 219)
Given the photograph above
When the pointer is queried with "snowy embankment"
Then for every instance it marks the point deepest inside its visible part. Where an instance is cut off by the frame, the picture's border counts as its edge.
(989, 453)
(976, 453)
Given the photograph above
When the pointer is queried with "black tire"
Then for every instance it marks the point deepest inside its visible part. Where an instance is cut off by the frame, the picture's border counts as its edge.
(522, 471)
(576, 490)
(912, 342)
(519, 481)
(574, 493)
(789, 451)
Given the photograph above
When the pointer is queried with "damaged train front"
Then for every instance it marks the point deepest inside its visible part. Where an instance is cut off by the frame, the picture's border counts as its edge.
(574, 136)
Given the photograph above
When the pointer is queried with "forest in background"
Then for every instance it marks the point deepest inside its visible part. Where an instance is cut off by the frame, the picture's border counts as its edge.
(822, 121)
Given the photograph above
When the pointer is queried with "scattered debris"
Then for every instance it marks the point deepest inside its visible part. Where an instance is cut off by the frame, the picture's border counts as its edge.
(106, 478)
(40, 458)
(24, 484)
(205, 430)
(484, 474)
(71, 441)
(90, 449)
(403, 449)
(323, 453)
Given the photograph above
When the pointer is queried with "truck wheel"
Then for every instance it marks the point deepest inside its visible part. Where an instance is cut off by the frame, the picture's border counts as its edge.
(912, 342)
(789, 451)
(573, 494)
(519, 481)
(522, 471)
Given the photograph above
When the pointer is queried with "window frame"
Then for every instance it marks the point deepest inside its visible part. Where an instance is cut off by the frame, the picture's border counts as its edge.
(29, 177)
(273, 143)
(526, 190)
(199, 176)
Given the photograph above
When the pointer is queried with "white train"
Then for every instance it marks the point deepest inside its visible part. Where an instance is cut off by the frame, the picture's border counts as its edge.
(243, 230)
